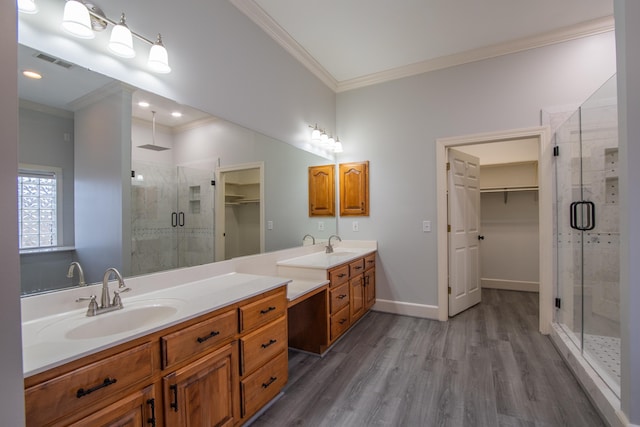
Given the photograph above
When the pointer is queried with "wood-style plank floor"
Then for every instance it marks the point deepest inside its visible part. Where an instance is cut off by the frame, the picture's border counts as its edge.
(488, 366)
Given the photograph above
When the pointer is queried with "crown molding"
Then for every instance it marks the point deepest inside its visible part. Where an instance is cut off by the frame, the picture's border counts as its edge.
(254, 12)
(585, 29)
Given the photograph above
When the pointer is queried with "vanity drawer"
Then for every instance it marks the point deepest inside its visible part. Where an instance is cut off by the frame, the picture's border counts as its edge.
(263, 311)
(259, 346)
(87, 385)
(340, 322)
(339, 297)
(339, 275)
(263, 385)
(356, 267)
(369, 261)
(195, 339)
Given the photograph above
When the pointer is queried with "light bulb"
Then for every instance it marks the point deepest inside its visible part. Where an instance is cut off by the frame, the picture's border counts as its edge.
(315, 134)
(337, 148)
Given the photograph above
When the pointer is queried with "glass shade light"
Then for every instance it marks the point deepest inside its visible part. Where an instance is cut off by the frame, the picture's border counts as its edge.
(331, 141)
(121, 41)
(27, 6)
(158, 57)
(315, 134)
(337, 148)
(324, 137)
(76, 20)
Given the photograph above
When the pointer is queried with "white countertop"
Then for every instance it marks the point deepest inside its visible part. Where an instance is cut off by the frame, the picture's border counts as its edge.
(45, 345)
(298, 288)
(324, 261)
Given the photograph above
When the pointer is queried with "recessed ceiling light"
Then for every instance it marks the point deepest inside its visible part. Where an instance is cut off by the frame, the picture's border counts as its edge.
(143, 104)
(32, 74)
(176, 114)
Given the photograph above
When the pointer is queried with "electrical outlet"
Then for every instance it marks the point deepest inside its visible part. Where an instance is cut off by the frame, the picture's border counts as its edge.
(355, 226)
(426, 226)
(269, 225)
(320, 225)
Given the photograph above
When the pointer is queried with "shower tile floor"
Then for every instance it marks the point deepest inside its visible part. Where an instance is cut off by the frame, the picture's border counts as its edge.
(606, 352)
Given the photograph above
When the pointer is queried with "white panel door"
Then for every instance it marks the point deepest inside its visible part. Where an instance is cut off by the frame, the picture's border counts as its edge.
(464, 220)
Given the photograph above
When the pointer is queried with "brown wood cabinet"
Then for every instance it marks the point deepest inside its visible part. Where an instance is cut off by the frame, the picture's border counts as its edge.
(351, 293)
(215, 370)
(202, 393)
(354, 189)
(322, 193)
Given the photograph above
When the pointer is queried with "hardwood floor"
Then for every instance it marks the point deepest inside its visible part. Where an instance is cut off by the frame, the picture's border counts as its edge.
(488, 366)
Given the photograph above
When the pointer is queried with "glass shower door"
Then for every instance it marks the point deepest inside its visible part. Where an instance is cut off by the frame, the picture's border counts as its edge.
(587, 232)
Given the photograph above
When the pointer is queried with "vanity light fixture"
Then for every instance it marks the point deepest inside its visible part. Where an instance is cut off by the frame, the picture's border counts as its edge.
(321, 137)
(81, 18)
(27, 6)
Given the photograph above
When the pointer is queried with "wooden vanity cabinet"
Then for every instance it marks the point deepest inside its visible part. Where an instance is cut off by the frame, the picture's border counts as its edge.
(322, 190)
(369, 281)
(215, 370)
(202, 393)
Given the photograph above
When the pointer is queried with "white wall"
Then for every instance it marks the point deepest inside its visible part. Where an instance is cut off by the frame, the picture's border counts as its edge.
(395, 125)
(627, 13)
(11, 392)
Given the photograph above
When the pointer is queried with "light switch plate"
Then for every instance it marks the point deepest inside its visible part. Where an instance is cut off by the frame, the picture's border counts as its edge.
(269, 225)
(320, 225)
(355, 226)
(426, 226)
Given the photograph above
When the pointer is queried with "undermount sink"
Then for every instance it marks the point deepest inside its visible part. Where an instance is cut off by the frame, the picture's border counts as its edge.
(134, 316)
(322, 259)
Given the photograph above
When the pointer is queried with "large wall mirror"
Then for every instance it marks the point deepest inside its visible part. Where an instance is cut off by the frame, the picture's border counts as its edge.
(114, 179)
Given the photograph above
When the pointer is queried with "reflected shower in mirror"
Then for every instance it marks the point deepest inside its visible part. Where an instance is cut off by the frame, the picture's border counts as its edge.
(120, 204)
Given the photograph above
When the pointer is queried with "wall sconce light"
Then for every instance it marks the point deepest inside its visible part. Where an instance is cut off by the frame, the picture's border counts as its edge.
(27, 6)
(322, 138)
(81, 19)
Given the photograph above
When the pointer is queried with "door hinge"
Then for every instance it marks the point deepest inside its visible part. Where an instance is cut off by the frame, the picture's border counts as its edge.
(448, 166)
(213, 182)
(449, 289)
(558, 302)
(133, 174)
(448, 228)
(556, 151)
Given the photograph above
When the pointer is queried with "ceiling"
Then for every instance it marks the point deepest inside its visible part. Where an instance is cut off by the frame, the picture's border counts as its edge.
(354, 43)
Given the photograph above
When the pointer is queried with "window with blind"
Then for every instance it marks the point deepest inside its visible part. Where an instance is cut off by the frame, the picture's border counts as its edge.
(38, 207)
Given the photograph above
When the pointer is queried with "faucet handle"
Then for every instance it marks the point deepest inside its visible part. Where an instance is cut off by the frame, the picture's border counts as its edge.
(93, 305)
(90, 298)
(117, 300)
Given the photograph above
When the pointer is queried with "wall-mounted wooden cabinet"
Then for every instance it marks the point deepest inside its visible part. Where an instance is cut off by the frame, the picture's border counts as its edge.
(322, 190)
(354, 189)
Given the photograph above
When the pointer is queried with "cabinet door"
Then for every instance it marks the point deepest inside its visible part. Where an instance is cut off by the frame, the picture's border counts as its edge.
(354, 189)
(357, 297)
(204, 393)
(322, 190)
(369, 288)
(136, 410)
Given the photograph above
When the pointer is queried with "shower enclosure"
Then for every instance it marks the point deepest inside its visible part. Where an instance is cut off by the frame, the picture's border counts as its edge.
(172, 217)
(587, 232)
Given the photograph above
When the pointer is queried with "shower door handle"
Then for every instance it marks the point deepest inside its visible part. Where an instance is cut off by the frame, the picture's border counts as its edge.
(587, 211)
(174, 219)
(181, 219)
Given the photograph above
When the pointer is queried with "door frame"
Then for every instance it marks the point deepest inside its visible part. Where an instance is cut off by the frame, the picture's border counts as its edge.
(545, 213)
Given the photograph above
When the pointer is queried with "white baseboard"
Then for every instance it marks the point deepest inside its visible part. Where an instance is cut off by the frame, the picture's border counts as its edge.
(510, 285)
(407, 309)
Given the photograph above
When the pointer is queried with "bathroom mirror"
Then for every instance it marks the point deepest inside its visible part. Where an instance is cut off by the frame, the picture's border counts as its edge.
(91, 129)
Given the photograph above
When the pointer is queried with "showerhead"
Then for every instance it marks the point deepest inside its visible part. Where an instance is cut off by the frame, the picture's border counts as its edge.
(153, 145)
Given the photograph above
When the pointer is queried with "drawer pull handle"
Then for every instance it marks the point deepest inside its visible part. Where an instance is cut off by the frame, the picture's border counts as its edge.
(268, 383)
(107, 382)
(342, 296)
(267, 310)
(341, 275)
(370, 261)
(174, 404)
(152, 419)
(342, 321)
(271, 341)
(358, 267)
(211, 335)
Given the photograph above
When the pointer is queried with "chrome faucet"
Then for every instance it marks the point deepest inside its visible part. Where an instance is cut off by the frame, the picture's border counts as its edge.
(329, 248)
(72, 267)
(106, 305)
(313, 239)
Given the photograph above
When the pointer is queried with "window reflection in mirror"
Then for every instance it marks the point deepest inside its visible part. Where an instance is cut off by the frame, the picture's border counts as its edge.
(161, 188)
